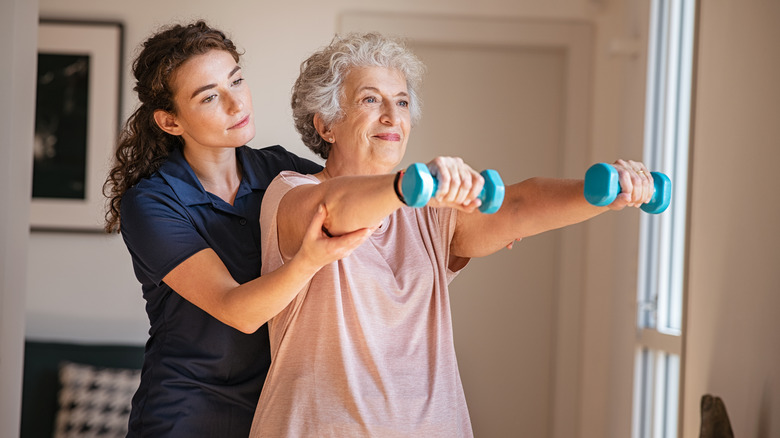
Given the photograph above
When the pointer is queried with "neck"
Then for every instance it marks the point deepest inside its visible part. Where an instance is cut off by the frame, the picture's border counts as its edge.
(218, 171)
(325, 174)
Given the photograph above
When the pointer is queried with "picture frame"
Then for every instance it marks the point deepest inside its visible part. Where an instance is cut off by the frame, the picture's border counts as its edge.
(77, 122)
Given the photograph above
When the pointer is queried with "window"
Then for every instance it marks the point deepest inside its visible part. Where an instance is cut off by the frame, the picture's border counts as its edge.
(657, 368)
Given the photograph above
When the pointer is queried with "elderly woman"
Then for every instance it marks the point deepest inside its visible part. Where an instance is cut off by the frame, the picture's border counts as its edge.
(366, 349)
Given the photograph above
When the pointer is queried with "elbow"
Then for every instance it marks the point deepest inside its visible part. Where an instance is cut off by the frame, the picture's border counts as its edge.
(236, 312)
(245, 325)
(247, 328)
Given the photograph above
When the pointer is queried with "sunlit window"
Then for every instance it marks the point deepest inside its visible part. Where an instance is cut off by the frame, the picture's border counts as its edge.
(662, 248)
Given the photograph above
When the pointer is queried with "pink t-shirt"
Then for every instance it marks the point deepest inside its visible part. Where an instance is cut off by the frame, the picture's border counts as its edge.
(366, 350)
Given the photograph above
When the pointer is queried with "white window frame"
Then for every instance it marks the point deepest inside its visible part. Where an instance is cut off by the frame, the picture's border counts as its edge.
(660, 288)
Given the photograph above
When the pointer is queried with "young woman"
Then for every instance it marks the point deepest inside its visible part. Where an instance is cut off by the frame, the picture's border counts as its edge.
(185, 193)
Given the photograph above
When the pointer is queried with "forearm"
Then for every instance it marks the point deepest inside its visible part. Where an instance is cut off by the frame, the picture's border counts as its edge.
(355, 202)
(530, 207)
(542, 204)
(250, 305)
(537, 205)
(204, 281)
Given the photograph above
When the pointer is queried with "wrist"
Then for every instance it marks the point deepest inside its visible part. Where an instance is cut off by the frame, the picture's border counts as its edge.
(397, 186)
(303, 264)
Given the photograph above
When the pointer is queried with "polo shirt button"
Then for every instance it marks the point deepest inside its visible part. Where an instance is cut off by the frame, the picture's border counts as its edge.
(242, 221)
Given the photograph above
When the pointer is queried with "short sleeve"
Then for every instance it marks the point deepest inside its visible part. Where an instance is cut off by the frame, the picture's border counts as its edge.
(271, 160)
(283, 183)
(158, 233)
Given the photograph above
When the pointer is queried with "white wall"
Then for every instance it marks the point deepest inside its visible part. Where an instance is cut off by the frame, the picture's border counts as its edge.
(77, 282)
(733, 340)
(17, 49)
(732, 323)
(81, 287)
(276, 37)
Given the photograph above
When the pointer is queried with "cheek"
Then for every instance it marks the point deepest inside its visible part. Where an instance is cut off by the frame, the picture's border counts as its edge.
(350, 128)
(248, 99)
(201, 124)
(368, 124)
(194, 116)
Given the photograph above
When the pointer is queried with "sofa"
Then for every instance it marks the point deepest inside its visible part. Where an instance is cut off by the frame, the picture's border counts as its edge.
(70, 389)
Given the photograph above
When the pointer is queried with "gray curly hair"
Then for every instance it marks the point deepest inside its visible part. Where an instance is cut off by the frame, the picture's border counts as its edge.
(318, 89)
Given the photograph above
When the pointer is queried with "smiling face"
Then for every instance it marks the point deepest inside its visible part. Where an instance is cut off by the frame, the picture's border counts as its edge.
(372, 135)
(213, 103)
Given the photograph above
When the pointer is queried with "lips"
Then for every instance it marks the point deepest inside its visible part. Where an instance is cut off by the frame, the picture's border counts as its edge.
(389, 137)
(243, 122)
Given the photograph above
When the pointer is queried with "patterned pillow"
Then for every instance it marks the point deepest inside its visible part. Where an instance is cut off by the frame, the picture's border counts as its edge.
(94, 402)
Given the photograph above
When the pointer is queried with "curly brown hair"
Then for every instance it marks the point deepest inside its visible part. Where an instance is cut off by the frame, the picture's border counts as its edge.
(142, 145)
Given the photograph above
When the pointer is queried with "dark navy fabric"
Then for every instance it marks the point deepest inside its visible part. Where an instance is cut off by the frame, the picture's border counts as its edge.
(200, 378)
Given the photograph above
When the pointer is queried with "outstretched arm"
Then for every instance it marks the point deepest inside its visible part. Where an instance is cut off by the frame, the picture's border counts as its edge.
(355, 202)
(537, 205)
(204, 280)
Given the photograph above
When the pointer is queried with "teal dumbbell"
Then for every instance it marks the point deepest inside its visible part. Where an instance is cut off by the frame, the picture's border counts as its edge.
(418, 186)
(602, 187)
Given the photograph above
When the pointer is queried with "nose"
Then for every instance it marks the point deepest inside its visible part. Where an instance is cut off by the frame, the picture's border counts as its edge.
(391, 114)
(234, 103)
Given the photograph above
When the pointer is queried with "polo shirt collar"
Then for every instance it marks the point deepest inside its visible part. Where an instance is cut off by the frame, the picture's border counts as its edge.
(251, 175)
(181, 178)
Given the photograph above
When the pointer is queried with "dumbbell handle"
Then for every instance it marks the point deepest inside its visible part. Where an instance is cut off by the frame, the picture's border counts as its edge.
(602, 187)
(418, 186)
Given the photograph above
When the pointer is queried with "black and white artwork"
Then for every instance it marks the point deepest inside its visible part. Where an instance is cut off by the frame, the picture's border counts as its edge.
(62, 109)
(76, 122)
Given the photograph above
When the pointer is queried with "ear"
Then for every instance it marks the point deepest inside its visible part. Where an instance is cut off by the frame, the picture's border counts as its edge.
(167, 122)
(325, 132)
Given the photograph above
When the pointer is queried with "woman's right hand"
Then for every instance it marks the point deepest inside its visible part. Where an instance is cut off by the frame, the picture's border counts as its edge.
(319, 249)
(458, 184)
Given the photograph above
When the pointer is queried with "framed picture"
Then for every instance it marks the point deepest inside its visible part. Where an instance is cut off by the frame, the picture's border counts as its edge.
(76, 122)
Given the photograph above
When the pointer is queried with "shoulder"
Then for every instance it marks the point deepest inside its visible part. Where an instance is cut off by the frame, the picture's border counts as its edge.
(276, 158)
(286, 181)
(152, 198)
(150, 189)
(293, 178)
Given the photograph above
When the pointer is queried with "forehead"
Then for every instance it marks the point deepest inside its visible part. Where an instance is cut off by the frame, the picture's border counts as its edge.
(213, 66)
(386, 80)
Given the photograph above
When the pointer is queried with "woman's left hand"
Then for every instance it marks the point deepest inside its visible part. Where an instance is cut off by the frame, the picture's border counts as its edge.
(458, 184)
(319, 249)
(636, 184)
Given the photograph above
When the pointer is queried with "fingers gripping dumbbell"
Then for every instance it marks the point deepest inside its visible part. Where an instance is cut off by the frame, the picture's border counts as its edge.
(602, 187)
(418, 186)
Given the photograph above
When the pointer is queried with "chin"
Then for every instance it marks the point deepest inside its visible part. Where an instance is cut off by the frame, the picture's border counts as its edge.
(244, 139)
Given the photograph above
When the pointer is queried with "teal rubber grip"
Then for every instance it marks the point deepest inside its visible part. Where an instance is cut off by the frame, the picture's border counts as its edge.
(418, 186)
(602, 187)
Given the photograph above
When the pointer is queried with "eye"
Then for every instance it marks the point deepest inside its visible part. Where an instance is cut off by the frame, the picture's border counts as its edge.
(403, 103)
(370, 99)
(238, 81)
(209, 98)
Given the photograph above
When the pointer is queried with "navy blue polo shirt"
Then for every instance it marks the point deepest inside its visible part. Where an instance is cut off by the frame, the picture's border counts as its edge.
(200, 377)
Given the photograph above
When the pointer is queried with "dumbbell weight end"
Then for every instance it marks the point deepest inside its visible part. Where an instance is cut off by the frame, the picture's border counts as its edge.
(418, 186)
(602, 187)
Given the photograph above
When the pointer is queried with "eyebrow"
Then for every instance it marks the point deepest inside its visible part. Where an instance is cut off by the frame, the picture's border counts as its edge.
(210, 86)
(376, 90)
